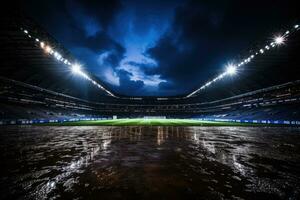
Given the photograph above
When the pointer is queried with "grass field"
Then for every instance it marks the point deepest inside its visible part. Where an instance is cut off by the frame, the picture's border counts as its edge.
(150, 122)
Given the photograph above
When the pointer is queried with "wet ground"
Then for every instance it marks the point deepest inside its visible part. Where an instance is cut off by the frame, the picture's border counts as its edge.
(149, 163)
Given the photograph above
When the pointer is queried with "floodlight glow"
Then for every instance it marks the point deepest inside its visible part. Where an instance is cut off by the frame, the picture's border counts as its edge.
(57, 55)
(231, 70)
(48, 49)
(279, 40)
(76, 69)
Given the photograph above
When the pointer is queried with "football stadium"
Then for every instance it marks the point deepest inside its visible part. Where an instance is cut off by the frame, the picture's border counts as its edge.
(130, 99)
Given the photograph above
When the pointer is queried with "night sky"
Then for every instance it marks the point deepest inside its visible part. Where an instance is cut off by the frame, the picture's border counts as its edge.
(160, 48)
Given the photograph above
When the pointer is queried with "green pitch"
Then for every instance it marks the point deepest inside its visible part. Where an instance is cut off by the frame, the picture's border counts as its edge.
(150, 122)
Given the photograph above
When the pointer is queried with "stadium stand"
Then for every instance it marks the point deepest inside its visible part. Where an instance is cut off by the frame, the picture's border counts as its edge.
(24, 101)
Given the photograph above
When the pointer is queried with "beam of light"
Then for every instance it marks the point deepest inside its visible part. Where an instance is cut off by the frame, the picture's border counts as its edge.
(279, 40)
(76, 69)
(231, 69)
(48, 49)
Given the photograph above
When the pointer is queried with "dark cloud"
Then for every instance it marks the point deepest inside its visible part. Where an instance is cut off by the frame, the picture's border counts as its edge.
(135, 87)
(177, 45)
(102, 12)
(70, 23)
(147, 68)
(206, 35)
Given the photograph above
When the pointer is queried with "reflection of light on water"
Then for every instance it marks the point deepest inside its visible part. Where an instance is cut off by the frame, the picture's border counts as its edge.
(160, 135)
(195, 137)
(210, 147)
(238, 166)
(68, 170)
(105, 144)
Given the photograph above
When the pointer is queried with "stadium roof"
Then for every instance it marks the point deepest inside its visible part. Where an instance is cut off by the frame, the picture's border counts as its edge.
(24, 59)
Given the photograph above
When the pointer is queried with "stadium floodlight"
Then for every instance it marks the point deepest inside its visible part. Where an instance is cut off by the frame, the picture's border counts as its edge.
(287, 32)
(231, 69)
(57, 55)
(76, 69)
(48, 49)
(261, 51)
(279, 40)
(296, 26)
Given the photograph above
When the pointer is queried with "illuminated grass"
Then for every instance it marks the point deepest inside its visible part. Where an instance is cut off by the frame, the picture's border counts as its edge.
(150, 122)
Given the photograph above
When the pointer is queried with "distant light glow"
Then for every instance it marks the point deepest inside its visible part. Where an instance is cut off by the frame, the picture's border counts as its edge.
(231, 69)
(279, 40)
(48, 49)
(76, 69)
